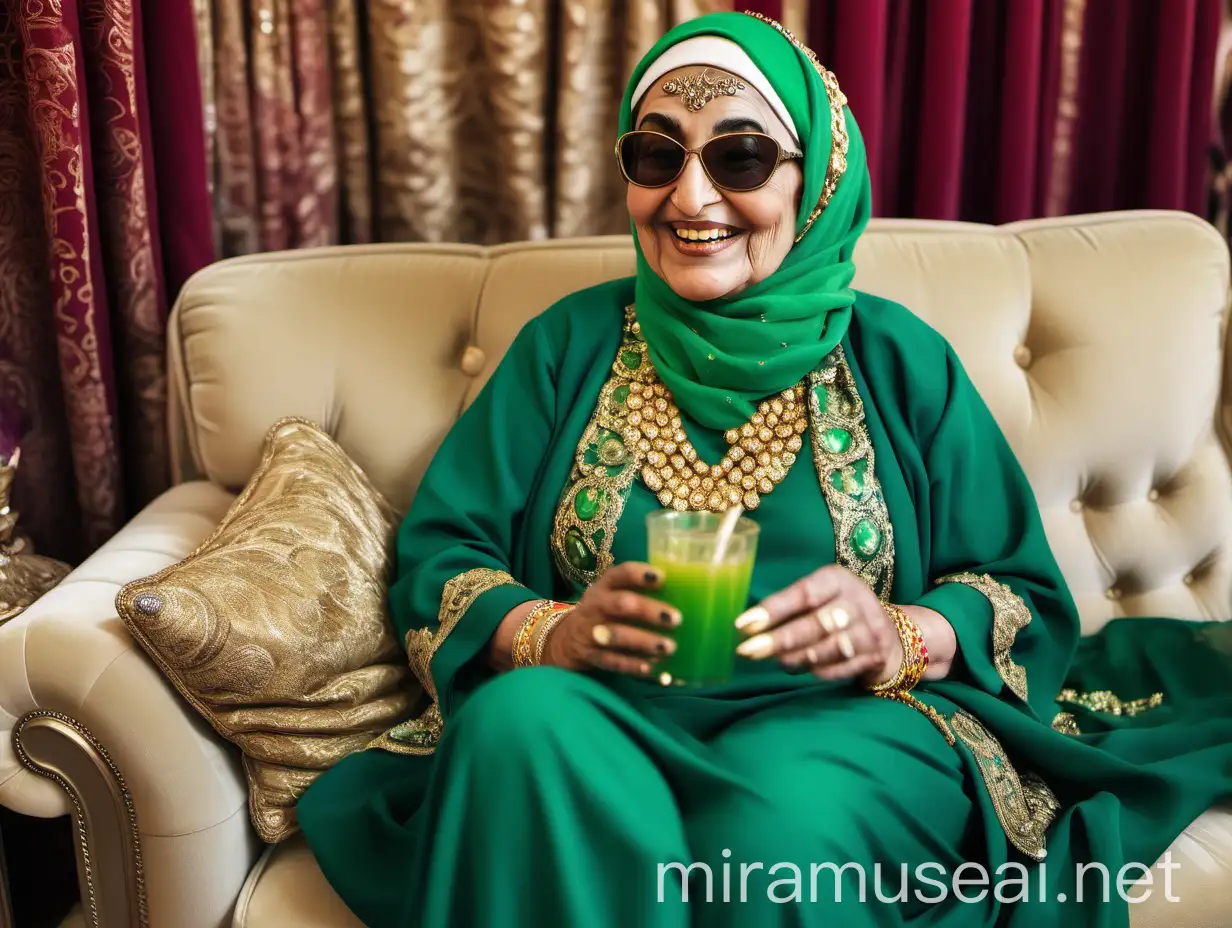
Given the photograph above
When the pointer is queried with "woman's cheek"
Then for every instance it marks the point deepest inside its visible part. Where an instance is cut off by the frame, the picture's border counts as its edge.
(768, 245)
(643, 206)
(771, 214)
(758, 252)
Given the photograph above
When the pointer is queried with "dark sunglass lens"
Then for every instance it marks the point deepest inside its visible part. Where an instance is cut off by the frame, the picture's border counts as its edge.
(651, 160)
(740, 161)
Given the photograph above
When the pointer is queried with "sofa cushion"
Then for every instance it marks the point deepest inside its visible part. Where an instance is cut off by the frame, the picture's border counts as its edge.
(276, 628)
(1097, 342)
(287, 889)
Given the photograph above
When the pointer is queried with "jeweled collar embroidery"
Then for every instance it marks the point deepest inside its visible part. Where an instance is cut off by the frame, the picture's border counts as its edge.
(612, 454)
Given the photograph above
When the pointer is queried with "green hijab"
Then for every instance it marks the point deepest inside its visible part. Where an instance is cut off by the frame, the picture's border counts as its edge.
(720, 358)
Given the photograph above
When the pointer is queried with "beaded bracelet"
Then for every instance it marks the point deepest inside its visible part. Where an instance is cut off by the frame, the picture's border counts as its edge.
(915, 654)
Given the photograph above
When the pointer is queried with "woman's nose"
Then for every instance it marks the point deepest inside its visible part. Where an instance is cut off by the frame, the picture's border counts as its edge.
(694, 191)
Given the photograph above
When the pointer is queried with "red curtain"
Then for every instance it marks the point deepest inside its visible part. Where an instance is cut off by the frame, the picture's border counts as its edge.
(998, 111)
(93, 121)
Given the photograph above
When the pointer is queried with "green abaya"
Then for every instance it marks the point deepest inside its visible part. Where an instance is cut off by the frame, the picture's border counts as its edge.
(553, 797)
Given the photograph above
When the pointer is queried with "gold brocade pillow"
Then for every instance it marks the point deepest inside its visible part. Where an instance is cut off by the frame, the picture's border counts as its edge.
(276, 629)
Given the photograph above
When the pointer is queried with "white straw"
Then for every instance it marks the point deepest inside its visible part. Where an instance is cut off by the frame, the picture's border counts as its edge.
(726, 528)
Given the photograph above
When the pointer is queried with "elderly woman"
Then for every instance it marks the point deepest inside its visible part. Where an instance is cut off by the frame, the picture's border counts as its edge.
(897, 712)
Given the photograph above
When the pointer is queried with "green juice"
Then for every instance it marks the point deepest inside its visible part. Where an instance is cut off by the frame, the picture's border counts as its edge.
(709, 598)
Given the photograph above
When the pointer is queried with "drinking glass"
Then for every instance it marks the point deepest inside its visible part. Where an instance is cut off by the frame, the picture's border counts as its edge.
(710, 592)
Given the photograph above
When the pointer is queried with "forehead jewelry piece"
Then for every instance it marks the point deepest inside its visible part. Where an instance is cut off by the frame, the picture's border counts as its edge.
(696, 90)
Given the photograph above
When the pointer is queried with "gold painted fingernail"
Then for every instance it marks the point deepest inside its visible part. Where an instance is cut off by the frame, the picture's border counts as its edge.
(845, 647)
(825, 620)
(753, 620)
(757, 647)
(602, 635)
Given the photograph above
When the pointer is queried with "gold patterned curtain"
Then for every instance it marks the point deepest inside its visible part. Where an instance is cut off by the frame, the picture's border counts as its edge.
(333, 121)
(86, 273)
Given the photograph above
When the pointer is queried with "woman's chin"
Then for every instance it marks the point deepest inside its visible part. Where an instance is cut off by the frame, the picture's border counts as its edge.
(698, 285)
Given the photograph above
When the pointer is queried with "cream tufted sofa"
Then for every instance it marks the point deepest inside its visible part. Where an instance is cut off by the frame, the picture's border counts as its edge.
(1098, 341)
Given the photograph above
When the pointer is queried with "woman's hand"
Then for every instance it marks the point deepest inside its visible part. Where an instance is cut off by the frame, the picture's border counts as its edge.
(610, 627)
(832, 625)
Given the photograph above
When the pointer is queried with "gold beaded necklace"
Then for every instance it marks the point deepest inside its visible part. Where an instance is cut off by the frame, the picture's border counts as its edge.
(762, 450)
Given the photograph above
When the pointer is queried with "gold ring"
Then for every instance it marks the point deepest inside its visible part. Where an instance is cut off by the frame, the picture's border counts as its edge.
(842, 618)
(602, 635)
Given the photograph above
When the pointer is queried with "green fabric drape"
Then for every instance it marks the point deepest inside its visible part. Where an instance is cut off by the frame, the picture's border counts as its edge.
(723, 357)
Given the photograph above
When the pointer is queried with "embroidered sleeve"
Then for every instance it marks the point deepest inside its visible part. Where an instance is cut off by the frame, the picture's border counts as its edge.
(421, 735)
(1010, 615)
(459, 594)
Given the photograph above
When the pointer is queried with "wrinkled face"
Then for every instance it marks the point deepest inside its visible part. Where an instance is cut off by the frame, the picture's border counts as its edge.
(704, 241)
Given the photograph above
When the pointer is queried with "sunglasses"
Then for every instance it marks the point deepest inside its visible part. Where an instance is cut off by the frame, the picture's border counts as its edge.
(736, 161)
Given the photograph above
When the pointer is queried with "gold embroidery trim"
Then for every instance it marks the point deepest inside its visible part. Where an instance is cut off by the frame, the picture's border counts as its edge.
(421, 735)
(603, 470)
(1010, 615)
(839, 140)
(924, 709)
(843, 453)
(1107, 702)
(1066, 724)
(1025, 805)
(418, 736)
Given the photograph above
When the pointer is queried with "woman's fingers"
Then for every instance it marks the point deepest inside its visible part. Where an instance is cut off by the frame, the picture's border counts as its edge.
(636, 641)
(833, 622)
(616, 600)
(631, 575)
(833, 649)
(603, 659)
(858, 666)
(809, 593)
(629, 607)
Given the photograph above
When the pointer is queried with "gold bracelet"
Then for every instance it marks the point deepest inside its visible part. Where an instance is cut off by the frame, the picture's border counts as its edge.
(523, 641)
(915, 654)
(547, 626)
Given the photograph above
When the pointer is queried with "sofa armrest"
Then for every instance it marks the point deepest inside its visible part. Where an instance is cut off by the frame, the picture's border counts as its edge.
(144, 776)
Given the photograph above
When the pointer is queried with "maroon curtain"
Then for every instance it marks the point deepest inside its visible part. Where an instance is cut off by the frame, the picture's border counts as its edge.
(998, 111)
(87, 110)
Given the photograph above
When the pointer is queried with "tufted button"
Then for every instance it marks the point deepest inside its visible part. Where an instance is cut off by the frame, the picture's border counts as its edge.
(1188, 579)
(1153, 495)
(473, 360)
(1076, 506)
(1112, 593)
(1022, 356)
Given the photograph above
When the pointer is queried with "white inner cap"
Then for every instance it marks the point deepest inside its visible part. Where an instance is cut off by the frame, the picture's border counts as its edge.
(715, 52)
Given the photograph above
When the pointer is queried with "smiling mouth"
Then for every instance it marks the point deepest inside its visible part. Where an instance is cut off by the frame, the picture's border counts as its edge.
(703, 242)
(704, 235)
